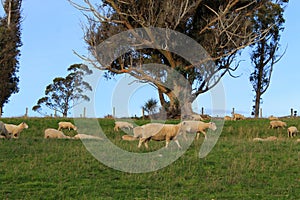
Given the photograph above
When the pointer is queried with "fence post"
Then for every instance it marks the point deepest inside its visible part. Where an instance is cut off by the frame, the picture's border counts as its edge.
(143, 113)
(84, 112)
(292, 112)
(26, 113)
(114, 112)
(260, 112)
(232, 111)
(202, 111)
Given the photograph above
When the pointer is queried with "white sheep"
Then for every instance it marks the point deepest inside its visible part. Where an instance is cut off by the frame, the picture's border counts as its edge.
(292, 131)
(227, 118)
(159, 132)
(3, 132)
(196, 127)
(138, 131)
(272, 118)
(237, 116)
(121, 125)
(196, 117)
(85, 136)
(129, 138)
(270, 138)
(15, 130)
(53, 133)
(277, 124)
(67, 125)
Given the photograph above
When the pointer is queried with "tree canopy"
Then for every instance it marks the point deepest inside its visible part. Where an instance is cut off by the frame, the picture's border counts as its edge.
(223, 28)
(65, 93)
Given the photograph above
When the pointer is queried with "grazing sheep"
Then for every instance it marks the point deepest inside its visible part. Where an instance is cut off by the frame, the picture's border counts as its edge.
(53, 133)
(238, 117)
(292, 131)
(3, 132)
(138, 131)
(272, 118)
(277, 124)
(270, 138)
(121, 125)
(227, 118)
(129, 138)
(196, 117)
(85, 136)
(67, 125)
(15, 130)
(197, 127)
(159, 132)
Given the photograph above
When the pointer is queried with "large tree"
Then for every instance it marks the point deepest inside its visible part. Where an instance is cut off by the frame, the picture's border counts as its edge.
(10, 43)
(65, 93)
(222, 27)
(265, 51)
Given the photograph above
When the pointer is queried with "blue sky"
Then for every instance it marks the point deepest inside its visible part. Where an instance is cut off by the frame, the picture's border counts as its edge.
(52, 30)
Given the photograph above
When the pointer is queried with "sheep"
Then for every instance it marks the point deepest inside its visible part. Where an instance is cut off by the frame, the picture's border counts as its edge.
(298, 140)
(227, 118)
(121, 125)
(272, 118)
(270, 138)
(196, 117)
(129, 138)
(197, 127)
(277, 124)
(15, 130)
(85, 136)
(67, 125)
(53, 133)
(3, 132)
(159, 132)
(138, 131)
(292, 131)
(238, 117)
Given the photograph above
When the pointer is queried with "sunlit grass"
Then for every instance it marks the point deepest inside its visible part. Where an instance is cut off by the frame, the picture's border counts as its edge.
(237, 168)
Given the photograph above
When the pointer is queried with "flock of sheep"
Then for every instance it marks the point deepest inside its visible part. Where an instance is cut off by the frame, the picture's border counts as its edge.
(274, 124)
(147, 132)
(164, 132)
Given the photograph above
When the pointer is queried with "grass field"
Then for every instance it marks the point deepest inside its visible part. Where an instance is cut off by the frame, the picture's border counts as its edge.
(237, 168)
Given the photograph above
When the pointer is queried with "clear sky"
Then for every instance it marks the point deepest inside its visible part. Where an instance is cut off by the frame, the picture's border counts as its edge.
(51, 30)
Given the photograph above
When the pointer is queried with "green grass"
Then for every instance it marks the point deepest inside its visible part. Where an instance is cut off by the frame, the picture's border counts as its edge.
(237, 168)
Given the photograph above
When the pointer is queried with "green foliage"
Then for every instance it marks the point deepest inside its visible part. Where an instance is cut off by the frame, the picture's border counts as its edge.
(223, 28)
(237, 168)
(264, 55)
(150, 106)
(10, 43)
(65, 93)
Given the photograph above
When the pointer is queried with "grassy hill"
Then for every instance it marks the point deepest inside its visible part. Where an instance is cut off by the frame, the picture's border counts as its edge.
(237, 168)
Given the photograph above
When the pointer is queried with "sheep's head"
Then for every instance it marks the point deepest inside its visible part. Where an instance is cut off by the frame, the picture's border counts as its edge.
(75, 128)
(212, 126)
(24, 125)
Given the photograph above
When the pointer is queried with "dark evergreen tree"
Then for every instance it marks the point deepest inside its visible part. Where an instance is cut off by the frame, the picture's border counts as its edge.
(10, 43)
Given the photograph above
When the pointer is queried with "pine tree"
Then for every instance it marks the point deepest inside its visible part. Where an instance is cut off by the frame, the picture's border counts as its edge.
(10, 43)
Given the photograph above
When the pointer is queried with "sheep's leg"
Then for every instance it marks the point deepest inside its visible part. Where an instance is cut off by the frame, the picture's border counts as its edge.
(167, 142)
(184, 136)
(141, 142)
(177, 143)
(146, 144)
